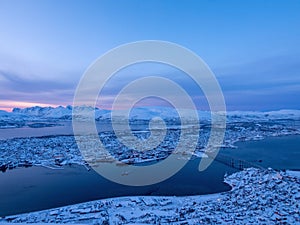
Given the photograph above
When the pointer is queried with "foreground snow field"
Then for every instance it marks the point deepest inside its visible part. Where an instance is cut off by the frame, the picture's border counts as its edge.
(257, 197)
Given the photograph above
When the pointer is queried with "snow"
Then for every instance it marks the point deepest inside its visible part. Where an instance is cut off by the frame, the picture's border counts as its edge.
(293, 173)
(61, 150)
(37, 113)
(257, 196)
(59, 112)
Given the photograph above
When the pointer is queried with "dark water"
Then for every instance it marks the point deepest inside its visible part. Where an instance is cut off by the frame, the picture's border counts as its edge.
(37, 188)
(276, 152)
(62, 128)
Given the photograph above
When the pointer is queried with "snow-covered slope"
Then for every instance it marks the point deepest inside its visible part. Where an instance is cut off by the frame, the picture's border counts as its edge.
(147, 113)
(256, 115)
(257, 197)
(141, 113)
(10, 120)
(45, 112)
(59, 112)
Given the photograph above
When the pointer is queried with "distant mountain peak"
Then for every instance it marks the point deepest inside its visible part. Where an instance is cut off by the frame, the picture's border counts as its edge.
(143, 113)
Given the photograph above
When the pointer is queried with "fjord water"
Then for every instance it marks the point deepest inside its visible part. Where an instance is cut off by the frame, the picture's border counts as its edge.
(276, 152)
(63, 128)
(37, 188)
(60, 128)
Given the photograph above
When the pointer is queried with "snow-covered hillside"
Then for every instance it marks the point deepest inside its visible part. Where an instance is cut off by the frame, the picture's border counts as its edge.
(145, 113)
(59, 112)
(18, 117)
(257, 197)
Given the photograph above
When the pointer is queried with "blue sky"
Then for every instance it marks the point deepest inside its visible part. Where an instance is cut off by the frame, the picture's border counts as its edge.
(253, 47)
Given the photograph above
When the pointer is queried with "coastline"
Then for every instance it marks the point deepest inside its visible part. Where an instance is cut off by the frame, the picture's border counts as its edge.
(173, 202)
(253, 190)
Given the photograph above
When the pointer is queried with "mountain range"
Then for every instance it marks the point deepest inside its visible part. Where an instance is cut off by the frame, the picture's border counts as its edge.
(37, 113)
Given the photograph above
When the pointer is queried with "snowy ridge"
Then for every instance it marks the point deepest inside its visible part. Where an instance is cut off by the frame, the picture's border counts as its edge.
(257, 197)
(59, 112)
(22, 117)
(19, 117)
(262, 116)
(142, 113)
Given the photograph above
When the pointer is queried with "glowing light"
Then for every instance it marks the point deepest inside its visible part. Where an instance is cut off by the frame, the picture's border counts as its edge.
(9, 105)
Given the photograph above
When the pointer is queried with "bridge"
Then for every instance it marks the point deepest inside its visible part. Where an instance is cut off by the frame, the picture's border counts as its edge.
(236, 163)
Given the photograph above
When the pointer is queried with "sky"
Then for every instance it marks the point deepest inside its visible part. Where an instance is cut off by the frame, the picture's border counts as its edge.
(253, 47)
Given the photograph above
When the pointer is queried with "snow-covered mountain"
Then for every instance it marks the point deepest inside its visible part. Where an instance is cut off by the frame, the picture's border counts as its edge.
(147, 113)
(59, 112)
(262, 116)
(10, 120)
(19, 116)
(46, 112)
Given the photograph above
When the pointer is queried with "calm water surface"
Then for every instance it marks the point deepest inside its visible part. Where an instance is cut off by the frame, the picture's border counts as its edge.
(37, 188)
(276, 152)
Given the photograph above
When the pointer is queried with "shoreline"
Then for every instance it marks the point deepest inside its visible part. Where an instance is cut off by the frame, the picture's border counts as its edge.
(234, 206)
(167, 198)
(233, 145)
